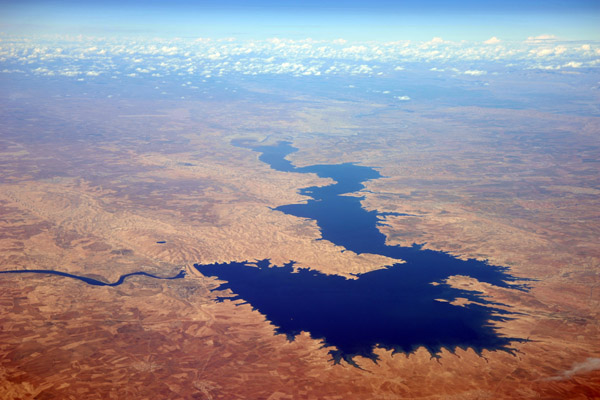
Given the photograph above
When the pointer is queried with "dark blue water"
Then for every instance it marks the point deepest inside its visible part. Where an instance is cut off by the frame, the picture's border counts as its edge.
(91, 281)
(393, 308)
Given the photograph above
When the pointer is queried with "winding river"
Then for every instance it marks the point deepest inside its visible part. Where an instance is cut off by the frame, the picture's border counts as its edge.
(90, 281)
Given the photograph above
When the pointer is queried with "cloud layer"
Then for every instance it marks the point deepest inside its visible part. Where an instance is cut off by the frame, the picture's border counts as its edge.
(93, 57)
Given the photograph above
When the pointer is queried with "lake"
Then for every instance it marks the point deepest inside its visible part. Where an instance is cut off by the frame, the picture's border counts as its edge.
(395, 308)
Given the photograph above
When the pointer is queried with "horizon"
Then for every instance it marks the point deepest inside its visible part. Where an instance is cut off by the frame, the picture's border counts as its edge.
(321, 20)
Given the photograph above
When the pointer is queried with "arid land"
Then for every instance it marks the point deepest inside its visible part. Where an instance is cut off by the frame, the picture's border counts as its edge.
(90, 185)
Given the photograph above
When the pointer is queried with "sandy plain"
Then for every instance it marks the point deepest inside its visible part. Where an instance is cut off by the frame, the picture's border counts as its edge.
(88, 186)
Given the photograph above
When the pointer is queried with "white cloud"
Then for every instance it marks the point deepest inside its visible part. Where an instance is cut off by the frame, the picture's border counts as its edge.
(70, 73)
(363, 69)
(573, 64)
(589, 365)
(545, 67)
(541, 38)
(402, 98)
(169, 50)
(492, 40)
(541, 52)
(40, 71)
(474, 72)
(558, 50)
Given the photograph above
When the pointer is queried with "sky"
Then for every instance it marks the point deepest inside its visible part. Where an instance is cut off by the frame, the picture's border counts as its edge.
(319, 19)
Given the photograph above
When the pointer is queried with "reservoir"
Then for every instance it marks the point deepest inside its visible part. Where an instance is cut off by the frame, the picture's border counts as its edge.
(395, 308)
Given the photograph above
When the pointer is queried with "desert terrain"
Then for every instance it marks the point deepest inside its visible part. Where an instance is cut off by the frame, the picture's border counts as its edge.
(90, 184)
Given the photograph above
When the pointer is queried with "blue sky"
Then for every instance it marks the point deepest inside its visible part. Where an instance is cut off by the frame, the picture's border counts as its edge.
(319, 19)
